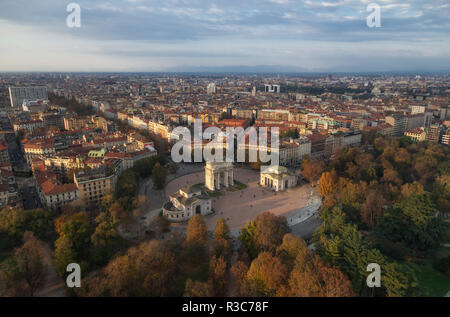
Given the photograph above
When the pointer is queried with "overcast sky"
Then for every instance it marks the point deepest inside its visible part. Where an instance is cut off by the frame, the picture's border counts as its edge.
(161, 35)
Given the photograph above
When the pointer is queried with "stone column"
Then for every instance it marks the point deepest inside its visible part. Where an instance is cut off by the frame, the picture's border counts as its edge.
(217, 180)
(225, 179)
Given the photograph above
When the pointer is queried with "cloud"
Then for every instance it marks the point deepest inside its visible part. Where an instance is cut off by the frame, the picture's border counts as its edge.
(171, 32)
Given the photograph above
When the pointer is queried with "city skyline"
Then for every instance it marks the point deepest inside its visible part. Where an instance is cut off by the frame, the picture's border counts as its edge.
(213, 36)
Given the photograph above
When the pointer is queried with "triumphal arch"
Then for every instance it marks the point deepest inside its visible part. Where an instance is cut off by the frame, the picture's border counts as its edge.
(218, 174)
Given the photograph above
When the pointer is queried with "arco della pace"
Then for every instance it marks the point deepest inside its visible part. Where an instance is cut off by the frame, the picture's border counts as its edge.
(192, 200)
(197, 199)
(218, 174)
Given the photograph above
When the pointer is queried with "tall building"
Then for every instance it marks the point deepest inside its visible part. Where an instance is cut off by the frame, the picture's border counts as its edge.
(18, 94)
(399, 123)
(446, 138)
(211, 88)
(272, 88)
(434, 133)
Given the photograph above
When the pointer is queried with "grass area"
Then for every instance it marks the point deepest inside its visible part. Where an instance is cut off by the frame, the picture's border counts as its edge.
(433, 282)
(214, 193)
(239, 185)
(199, 186)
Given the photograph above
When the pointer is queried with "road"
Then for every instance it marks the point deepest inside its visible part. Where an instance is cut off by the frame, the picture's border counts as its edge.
(27, 189)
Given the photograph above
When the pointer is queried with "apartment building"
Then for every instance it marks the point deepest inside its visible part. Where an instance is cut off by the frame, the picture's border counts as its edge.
(8, 187)
(94, 184)
(446, 138)
(18, 94)
(29, 125)
(434, 133)
(78, 123)
(4, 154)
(417, 134)
(52, 192)
(292, 151)
(399, 124)
(37, 148)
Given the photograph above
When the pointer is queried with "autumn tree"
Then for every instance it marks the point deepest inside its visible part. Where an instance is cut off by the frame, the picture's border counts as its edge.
(291, 247)
(327, 183)
(197, 289)
(313, 278)
(265, 234)
(222, 243)
(239, 272)
(24, 272)
(196, 231)
(266, 275)
(29, 261)
(144, 270)
(412, 188)
(372, 208)
(218, 276)
(311, 170)
(194, 258)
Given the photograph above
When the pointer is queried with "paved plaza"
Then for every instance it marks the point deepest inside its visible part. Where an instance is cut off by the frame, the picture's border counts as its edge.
(238, 207)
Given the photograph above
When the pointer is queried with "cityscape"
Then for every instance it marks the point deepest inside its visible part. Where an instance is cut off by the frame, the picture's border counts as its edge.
(224, 181)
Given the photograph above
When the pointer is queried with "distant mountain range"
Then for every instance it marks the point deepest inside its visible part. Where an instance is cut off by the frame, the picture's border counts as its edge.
(238, 69)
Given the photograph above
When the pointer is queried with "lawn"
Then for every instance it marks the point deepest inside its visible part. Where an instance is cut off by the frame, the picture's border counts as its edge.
(433, 282)
(239, 185)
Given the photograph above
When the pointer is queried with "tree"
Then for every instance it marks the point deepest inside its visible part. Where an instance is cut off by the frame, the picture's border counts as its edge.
(63, 254)
(197, 289)
(311, 170)
(218, 276)
(194, 258)
(265, 233)
(291, 248)
(159, 176)
(73, 245)
(247, 238)
(239, 272)
(15, 221)
(341, 244)
(372, 208)
(105, 239)
(196, 231)
(312, 277)
(144, 270)
(412, 221)
(270, 230)
(222, 243)
(29, 262)
(410, 188)
(118, 213)
(266, 275)
(161, 224)
(327, 183)
(127, 184)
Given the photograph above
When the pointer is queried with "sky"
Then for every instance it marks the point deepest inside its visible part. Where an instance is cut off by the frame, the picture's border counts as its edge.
(212, 35)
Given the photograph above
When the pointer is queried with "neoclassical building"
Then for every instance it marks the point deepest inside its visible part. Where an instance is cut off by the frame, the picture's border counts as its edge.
(218, 174)
(277, 178)
(186, 203)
